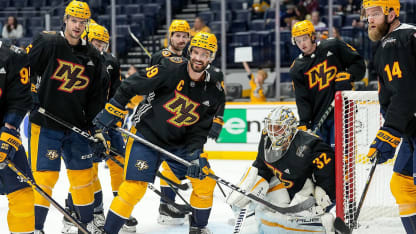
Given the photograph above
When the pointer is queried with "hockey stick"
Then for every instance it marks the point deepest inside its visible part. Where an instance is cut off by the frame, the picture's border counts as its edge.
(293, 209)
(36, 187)
(180, 196)
(89, 137)
(240, 221)
(339, 224)
(324, 116)
(183, 208)
(179, 186)
(138, 42)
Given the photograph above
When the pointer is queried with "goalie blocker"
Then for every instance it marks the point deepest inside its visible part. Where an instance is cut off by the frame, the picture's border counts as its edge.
(282, 174)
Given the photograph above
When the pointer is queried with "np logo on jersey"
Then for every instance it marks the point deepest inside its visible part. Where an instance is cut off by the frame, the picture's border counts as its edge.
(71, 75)
(183, 109)
(141, 165)
(279, 174)
(321, 75)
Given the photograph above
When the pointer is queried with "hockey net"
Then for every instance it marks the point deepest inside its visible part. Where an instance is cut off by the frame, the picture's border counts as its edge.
(357, 119)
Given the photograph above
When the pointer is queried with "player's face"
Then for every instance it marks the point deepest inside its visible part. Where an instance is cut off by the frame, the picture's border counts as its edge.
(75, 26)
(199, 59)
(178, 40)
(99, 45)
(275, 129)
(305, 44)
(377, 26)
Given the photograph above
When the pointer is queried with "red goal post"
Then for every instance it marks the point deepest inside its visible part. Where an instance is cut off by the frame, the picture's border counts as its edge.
(357, 119)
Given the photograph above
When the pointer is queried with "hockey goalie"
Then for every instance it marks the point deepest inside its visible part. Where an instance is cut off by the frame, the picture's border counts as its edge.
(291, 166)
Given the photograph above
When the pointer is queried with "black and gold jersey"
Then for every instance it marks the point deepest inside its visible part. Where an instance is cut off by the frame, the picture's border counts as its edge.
(307, 157)
(68, 80)
(395, 64)
(178, 110)
(314, 75)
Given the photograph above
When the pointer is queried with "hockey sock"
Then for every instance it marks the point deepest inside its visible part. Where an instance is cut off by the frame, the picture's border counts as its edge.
(113, 222)
(409, 223)
(98, 202)
(40, 216)
(168, 192)
(199, 217)
(70, 203)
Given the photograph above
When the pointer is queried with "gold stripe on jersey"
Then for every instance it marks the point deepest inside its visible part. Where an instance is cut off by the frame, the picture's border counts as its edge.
(168, 173)
(34, 144)
(129, 146)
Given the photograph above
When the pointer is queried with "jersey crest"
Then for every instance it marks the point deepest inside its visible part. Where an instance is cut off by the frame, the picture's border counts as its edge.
(183, 110)
(166, 53)
(71, 75)
(321, 75)
(176, 59)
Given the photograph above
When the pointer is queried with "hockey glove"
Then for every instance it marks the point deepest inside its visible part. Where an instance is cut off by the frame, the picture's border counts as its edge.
(342, 81)
(302, 127)
(250, 182)
(111, 116)
(200, 167)
(102, 145)
(216, 127)
(322, 199)
(386, 141)
(10, 143)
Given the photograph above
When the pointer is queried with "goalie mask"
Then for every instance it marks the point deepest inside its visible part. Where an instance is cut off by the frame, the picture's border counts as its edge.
(280, 125)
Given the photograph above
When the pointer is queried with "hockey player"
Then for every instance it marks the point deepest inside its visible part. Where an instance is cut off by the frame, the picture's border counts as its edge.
(291, 165)
(179, 36)
(318, 72)
(395, 63)
(184, 101)
(67, 82)
(15, 102)
(99, 37)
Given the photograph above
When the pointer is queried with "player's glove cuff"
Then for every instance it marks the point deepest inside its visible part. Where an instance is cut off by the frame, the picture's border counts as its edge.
(386, 141)
(216, 128)
(389, 135)
(111, 116)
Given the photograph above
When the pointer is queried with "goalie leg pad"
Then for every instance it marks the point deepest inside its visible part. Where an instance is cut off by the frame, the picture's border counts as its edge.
(274, 222)
(129, 194)
(250, 182)
(21, 215)
(202, 192)
(116, 173)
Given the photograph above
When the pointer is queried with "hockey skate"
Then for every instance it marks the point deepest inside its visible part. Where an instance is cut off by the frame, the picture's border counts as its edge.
(169, 215)
(99, 219)
(39, 232)
(91, 228)
(68, 226)
(130, 225)
(197, 230)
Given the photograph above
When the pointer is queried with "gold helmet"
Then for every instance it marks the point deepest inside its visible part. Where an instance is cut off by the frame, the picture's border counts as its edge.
(302, 28)
(179, 26)
(206, 41)
(78, 9)
(98, 32)
(386, 5)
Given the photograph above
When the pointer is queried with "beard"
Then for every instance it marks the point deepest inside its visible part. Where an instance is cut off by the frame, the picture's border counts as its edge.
(195, 69)
(375, 34)
(178, 47)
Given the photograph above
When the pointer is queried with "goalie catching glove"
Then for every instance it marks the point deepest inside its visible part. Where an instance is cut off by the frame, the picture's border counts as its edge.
(386, 142)
(250, 182)
(111, 116)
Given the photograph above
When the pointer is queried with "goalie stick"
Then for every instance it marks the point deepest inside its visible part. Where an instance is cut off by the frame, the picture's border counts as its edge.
(339, 224)
(91, 138)
(36, 187)
(308, 203)
(138, 42)
(324, 116)
(240, 221)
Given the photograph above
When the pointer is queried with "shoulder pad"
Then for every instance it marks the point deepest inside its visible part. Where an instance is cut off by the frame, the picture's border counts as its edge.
(176, 59)
(166, 53)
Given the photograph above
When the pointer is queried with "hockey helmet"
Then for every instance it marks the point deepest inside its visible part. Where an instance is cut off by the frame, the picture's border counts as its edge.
(98, 32)
(206, 41)
(280, 125)
(78, 9)
(179, 26)
(302, 28)
(385, 5)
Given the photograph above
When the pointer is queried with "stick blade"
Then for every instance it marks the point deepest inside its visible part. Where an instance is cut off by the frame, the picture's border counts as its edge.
(341, 227)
